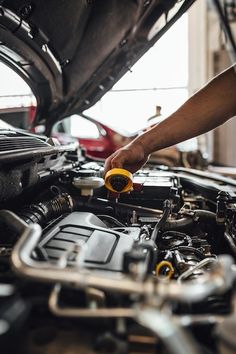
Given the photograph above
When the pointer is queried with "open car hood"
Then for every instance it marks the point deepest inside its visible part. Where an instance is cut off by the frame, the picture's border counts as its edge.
(72, 52)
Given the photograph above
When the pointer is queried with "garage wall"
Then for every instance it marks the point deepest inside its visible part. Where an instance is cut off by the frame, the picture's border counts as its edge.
(219, 60)
(208, 56)
(198, 41)
(198, 61)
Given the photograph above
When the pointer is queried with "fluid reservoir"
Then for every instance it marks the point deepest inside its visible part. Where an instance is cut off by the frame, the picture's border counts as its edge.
(87, 181)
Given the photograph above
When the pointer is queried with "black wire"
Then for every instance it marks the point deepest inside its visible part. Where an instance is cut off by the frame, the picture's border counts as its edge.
(193, 250)
(112, 220)
(180, 235)
(162, 221)
(226, 26)
(230, 240)
(187, 241)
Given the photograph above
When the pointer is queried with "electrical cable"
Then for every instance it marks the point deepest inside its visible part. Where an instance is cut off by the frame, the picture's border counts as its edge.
(162, 221)
(226, 27)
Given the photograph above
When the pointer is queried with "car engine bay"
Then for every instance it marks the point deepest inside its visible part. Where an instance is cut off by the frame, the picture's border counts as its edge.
(86, 270)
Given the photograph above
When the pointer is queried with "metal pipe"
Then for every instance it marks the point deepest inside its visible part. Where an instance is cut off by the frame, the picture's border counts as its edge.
(72, 312)
(174, 338)
(219, 279)
(85, 312)
(199, 265)
(194, 320)
(121, 207)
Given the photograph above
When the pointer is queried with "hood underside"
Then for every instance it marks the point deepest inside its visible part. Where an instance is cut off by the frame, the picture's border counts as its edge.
(72, 52)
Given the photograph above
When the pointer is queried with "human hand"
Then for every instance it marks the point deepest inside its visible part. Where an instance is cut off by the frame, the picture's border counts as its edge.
(131, 157)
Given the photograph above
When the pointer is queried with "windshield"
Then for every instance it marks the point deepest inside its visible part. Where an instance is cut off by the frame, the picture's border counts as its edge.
(16, 99)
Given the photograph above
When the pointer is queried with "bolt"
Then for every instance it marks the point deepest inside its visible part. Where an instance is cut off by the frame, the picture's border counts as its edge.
(26, 11)
(65, 63)
(123, 42)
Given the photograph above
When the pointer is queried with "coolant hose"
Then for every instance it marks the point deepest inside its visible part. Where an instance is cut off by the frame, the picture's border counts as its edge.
(185, 223)
(230, 240)
(43, 212)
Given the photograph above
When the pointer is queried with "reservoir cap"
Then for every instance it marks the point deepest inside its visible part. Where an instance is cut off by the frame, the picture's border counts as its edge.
(119, 180)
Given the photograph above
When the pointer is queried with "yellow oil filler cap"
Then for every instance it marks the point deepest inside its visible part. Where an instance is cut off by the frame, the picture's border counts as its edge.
(119, 180)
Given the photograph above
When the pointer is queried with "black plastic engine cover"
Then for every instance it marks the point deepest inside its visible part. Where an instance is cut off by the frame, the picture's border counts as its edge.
(105, 247)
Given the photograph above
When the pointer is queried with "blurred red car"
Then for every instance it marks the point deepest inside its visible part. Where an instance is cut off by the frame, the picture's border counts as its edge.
(98, 139)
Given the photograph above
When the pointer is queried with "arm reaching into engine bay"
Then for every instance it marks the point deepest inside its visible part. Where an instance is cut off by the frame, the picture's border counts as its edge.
(210, 107)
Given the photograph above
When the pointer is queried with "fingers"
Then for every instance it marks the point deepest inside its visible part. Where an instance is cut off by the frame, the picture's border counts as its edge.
(131, 157)
(107, 165)
(116, 160)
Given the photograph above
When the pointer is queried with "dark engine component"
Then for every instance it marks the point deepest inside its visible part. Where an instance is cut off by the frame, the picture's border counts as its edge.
(151, 188)
(104, 247)
(150, 257)
(42, 213)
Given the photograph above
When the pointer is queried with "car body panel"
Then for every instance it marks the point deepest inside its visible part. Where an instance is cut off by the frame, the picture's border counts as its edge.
(72, 53)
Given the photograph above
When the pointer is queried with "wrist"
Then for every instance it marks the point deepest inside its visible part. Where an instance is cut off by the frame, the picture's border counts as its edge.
(137, 147)
(144, 143)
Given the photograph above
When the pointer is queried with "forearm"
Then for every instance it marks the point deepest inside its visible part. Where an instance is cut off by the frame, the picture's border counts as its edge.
(208, 108)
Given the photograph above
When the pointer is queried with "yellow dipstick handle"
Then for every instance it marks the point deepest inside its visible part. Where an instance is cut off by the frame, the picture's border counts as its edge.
(119, 180)
(167, 267)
